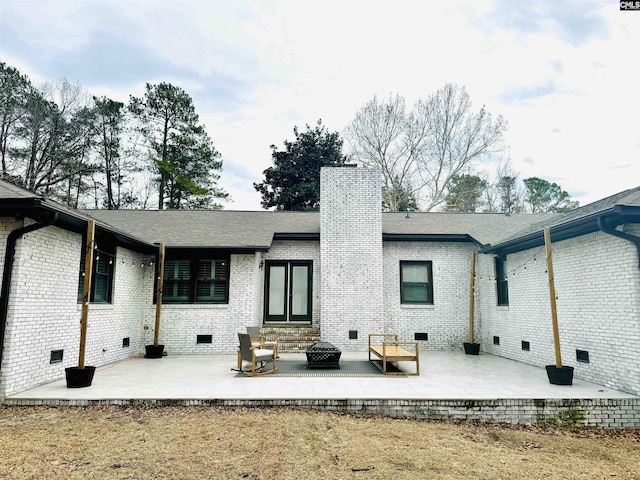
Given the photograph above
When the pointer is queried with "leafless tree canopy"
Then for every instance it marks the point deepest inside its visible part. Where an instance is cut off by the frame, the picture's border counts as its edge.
(420, 151)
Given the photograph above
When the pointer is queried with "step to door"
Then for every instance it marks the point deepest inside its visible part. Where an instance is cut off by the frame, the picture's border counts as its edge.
(293, 339)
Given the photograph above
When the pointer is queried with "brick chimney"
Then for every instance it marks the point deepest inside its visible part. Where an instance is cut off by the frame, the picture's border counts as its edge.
(350, 255)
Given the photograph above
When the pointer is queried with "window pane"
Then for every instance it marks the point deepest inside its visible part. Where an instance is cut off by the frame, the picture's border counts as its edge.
(300, 280)
(211, 284)
(102, 284)
(416, 282)
(221, 270)
(502, 286)
(416, 292)
(204, 284)
(176, 280)
(415, 273)
(276, 289)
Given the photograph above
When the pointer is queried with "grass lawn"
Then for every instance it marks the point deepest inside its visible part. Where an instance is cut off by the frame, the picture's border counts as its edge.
(221, 443)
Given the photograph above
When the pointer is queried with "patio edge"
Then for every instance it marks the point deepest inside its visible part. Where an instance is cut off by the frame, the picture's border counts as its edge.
(598, 412)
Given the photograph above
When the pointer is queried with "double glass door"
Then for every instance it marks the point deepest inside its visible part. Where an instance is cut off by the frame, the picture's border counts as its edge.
(288, 291)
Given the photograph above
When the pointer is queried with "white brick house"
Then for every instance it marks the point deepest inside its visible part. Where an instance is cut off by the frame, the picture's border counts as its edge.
(346, 271)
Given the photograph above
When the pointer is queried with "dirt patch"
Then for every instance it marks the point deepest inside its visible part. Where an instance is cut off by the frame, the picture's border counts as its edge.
(220, 443)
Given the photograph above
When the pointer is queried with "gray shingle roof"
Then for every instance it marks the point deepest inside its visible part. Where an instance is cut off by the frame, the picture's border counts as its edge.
(256, 229)
(209, 228)
(228, 228)
(483, 227)
(10, 191)
(627, 198)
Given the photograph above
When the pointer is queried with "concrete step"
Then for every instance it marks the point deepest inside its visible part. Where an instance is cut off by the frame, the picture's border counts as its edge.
(293, 339)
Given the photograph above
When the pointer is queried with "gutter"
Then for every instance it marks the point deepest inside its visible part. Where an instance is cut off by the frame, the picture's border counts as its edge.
(7, 272)
(602, 225)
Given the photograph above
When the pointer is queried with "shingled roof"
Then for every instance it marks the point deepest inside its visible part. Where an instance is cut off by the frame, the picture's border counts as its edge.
(623, 207)
(209, 228)
(256, 230)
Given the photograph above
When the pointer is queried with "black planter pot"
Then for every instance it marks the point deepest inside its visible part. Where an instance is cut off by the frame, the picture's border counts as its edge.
(560, 376)
(79, 377)
(471, 348)
(153, 351)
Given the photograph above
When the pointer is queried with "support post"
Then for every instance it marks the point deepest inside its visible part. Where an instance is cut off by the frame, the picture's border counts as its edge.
(552, 297)
(86, 295)
(472, 299)
(156, 332)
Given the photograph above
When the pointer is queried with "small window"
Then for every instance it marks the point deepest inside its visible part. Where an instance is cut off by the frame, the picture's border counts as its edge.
(102, 277)
(502, 285)
(204, 338)
(496, 340)
(416, 285)
(196, 280)
(526, 346)
(125, 342)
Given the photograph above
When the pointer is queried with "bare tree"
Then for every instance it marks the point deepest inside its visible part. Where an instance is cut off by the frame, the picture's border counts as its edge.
(384, 136)
(456, 137)
(53, 138)
(420, 152)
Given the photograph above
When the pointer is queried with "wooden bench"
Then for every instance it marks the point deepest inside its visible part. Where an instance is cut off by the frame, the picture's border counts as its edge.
(393, 351)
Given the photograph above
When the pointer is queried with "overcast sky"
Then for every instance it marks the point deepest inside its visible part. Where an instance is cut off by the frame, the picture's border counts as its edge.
(564, 74)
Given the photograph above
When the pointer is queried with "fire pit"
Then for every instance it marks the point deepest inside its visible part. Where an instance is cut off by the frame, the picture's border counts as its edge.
(323, 355)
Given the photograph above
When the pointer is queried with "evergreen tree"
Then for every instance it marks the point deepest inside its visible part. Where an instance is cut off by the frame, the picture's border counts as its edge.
(465, 193)
(183, 155)
(544, 196)
(293, 182)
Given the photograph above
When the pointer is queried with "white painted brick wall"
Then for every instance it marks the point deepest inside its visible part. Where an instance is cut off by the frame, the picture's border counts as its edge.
(44, 315)
(597, 282)
(446, 321)
(181, 324)
(350, 255)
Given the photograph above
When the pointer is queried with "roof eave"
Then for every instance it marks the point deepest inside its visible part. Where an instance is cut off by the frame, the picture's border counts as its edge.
(615, 215)
(40, 210)
(427, 237)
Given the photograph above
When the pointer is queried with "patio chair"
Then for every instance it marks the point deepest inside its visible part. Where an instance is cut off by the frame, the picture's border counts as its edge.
(257, 338)
(256, 355)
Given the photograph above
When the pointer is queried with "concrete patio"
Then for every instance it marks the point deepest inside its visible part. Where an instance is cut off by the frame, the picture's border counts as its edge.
(445, 375)
(451, 386)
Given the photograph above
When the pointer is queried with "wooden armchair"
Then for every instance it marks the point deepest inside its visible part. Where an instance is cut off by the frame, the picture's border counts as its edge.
(256, 355)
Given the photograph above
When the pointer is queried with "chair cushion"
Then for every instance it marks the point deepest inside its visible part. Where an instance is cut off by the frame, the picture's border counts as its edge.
(263, 354)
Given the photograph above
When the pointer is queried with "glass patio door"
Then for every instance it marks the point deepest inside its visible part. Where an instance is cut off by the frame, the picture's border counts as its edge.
(288, 291)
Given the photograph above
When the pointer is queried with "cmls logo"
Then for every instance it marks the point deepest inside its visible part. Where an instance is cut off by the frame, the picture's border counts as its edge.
(630, 5)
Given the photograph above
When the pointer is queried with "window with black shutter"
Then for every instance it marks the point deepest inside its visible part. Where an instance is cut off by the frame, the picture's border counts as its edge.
(196, 280)
(502, 284)
(103, 268)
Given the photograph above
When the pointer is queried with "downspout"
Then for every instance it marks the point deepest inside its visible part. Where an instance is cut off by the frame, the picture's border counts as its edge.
(7, 272)
(602, 225)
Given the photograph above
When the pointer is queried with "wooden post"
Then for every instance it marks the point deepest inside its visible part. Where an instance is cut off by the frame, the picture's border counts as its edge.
(552, 297)
(86, 295)
(472, 298)
(159, 283)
